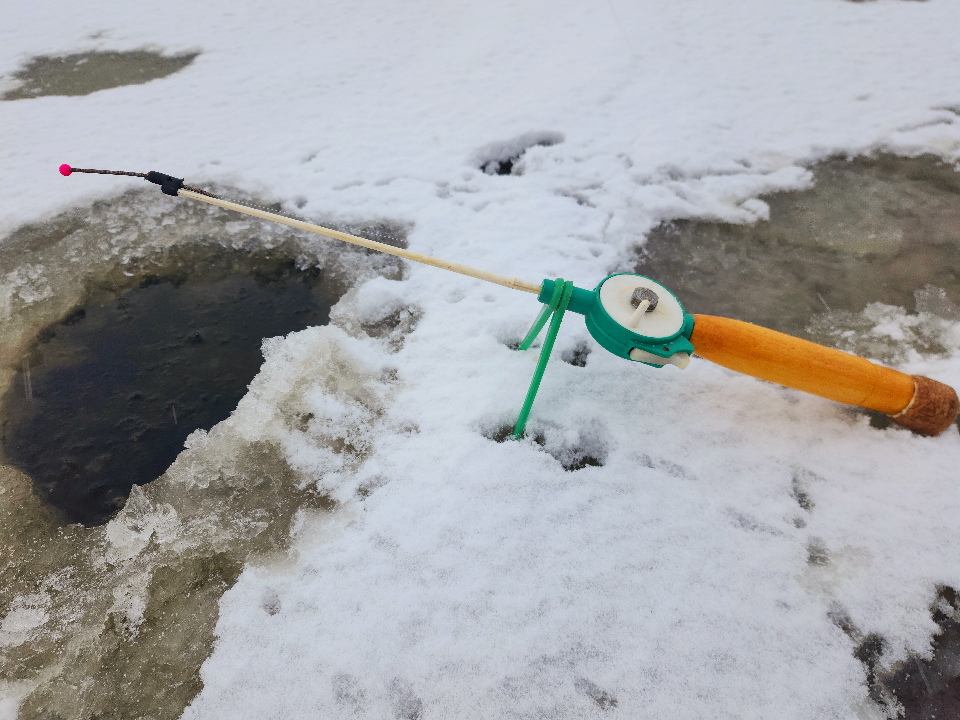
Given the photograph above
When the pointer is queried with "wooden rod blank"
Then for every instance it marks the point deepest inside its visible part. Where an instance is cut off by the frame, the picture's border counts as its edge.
(923, 405)
(504, 280)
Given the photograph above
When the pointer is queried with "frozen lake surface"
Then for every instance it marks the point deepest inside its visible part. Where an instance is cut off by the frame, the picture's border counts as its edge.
(352, 541)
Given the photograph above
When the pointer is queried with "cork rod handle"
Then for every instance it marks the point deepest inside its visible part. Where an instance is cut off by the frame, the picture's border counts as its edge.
(923, 405)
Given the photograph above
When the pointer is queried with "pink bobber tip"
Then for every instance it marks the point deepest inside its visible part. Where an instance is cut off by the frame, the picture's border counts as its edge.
(65, 170)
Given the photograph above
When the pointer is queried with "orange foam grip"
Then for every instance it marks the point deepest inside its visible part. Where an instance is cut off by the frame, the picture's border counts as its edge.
(927, 407)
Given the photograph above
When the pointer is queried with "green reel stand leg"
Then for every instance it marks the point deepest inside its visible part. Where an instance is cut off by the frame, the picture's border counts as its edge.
(562, 290)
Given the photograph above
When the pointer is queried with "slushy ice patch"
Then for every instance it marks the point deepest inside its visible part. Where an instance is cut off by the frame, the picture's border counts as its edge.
(85, 73)
(115, 620)
(867, 260)
(868, 234)
(916, 688)
(49, 269)
(929, 689)
(122, 615)
(105, 398)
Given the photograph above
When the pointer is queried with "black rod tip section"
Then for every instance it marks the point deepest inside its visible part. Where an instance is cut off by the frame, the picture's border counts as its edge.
(169, 185)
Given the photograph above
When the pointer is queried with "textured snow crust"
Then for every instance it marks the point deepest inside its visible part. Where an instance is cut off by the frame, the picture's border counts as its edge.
(699, 569)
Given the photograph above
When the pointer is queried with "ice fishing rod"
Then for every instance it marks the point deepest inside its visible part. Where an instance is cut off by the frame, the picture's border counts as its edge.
(640, 320)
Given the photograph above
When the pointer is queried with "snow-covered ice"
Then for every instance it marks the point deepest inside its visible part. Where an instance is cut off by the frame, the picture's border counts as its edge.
(458, 576)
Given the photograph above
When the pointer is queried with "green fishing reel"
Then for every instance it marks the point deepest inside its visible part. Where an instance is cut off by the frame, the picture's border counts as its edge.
(657, 334)
(630, 315)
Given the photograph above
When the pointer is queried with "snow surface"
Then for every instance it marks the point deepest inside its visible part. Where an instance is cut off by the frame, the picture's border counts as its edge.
(480, 579)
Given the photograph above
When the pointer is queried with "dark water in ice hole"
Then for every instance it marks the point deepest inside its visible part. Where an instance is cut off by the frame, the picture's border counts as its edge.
(113, 390)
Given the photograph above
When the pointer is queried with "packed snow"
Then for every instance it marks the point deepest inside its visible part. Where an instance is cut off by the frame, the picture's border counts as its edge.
(695, 570)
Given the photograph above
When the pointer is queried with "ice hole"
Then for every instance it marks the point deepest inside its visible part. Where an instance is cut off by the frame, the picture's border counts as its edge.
(574, 449)
(576, 355)
(85, 73)
(181, 539)
(105, 398)
(500, 432)
(498, 158)
(870, 230)
(500, 167)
